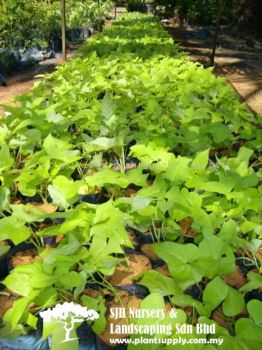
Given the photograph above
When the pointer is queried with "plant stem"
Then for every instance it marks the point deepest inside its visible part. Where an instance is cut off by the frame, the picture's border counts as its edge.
(63, 20)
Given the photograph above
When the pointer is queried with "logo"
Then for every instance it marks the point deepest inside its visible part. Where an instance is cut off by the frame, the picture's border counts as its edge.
(68, 314)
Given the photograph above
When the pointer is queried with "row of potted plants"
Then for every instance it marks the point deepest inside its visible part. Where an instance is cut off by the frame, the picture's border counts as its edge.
(132, 176)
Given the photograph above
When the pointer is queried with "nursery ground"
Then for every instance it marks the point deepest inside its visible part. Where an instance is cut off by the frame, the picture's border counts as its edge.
(238, 57)
(241, 64)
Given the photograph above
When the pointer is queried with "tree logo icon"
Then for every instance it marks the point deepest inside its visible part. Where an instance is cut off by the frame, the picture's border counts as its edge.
(69, 314)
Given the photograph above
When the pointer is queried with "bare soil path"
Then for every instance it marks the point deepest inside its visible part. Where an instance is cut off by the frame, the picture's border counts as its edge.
(22, 81)
(238, 58)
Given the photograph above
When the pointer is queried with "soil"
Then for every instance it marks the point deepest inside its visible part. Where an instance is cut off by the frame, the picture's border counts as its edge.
(219, 317)
(6, 301)
(23, 80)
(235, 279)
(126, 274)
(148, 250)
(130, 192)
(24, 258)
(238, 58)
(45, 207)
(164, 270)
(91, 292)
(186, 229)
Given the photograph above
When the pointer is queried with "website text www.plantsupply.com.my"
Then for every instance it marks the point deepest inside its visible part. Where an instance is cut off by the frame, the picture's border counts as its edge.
(166, 341)
(164, 330)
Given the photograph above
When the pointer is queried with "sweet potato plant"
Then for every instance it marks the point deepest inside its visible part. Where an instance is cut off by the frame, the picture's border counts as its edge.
(131, 139)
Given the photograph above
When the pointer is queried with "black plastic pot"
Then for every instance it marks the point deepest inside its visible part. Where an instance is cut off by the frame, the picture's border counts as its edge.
(30, 341)
(135, 289)
(253, 294)
(194, 291)
(157, 263)
(245, 268)
(33, 341)
(88, 340)
(93, 198)
(128, 160)
(3, 268)
(24, 342)
(134, 250)
(100, 345)
(188, 239)
(142, 238)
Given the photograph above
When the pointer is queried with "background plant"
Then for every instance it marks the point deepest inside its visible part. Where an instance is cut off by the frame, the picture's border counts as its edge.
(37, 23)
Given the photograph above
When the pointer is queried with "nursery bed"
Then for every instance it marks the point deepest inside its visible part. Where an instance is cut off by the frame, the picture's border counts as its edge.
(131, 177)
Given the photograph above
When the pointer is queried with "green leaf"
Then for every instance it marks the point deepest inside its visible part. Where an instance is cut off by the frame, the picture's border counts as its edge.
(56, 118)
(249, 332)
(180, 259)
(254, 282)
(47, 297)
(178, 170)
(153, 301)
(155, 159)
(254, 308)
(60, 149)
(28, 182)
(79, 289)
(4, 199)
(158, 283)
(19, 308)
(24, 279)
(97, 304)
(140, 202)
(31, 320)
(216, 258)
(215, 293)
(13, 229)
(64, 191)
(244, 155)
(248, 226)
(107, 176)
(27, 213)
(6, 161)
(108, 106)
(71, 279)
(212, 246)
(69, 246)
(101, 144)
(234, 303)
(228, 231)
(200, 162)
(224, 186)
